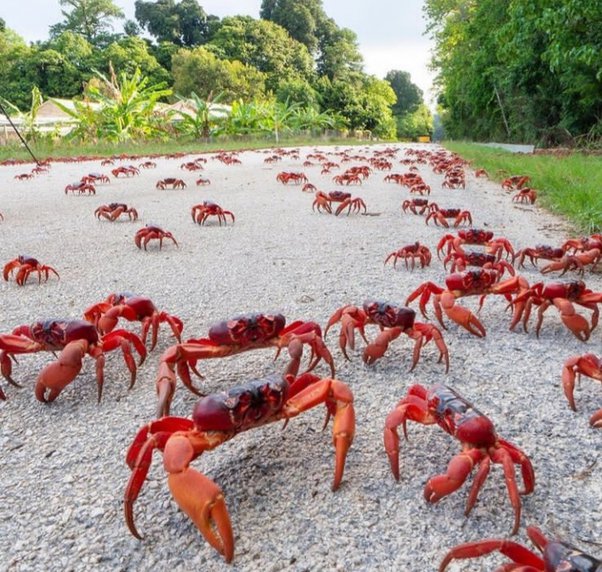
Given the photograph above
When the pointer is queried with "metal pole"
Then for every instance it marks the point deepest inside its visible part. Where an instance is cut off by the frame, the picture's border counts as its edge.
(19, 134)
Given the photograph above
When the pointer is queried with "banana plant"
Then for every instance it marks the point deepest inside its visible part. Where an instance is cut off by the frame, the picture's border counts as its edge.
(28, 119)
(126, 108)
(202, 123)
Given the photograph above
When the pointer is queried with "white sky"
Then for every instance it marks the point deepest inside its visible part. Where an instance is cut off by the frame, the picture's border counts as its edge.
(390, 32)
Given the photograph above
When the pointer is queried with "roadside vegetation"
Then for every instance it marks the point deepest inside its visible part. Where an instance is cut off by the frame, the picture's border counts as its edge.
(526, 71)
(569, 185)
(293, 62)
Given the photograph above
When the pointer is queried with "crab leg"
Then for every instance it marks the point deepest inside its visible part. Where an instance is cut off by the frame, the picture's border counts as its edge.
(338, 397)
(516, 552)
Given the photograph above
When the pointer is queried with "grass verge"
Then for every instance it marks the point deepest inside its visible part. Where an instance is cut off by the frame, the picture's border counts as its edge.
(569, 185)
(45, 150)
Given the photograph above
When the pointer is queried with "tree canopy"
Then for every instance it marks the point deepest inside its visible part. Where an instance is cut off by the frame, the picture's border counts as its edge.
(525, 70)
(89, 18)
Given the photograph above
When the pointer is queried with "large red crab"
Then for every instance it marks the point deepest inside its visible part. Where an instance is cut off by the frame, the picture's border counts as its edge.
(345, 200)
(557, 555)
(26, 265)
(481, 445)
(217, 418)
(495, 246)
(170, 183)
(201, 212)
(563, 295)
(113, 211)
(106, 314)
(393, 321)
(75, 339)
(416, 206)
(239, 334)
(470, 283)
(152, 232)
(589, 365)
(410, 253)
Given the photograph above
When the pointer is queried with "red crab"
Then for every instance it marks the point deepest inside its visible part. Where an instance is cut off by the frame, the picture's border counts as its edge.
(239, 334)
(24, 177)
(26, 265)
(481, 445)
(393, 321)
(526, 195)
(416, 206)
(420, 188)
(95, 178)
(170, 183)
(471, 283)
(543, 251)
(126, 171)
(113, 211)
(347, 179)
(576, 261)
(583, 244)
(201, 212)
(563, 296)
(589, 365)
(75, 339)
(191, 166)
(152, 232)
(217, 418)
(440, 216)
(81, 187)
(147, 165)
(557, 555)
(411, 252)
(495, 246)
(200, 182)
(105, 315)
(471, 258)
(515, 183)
(295, 178)
(1, 216)
(324, 201)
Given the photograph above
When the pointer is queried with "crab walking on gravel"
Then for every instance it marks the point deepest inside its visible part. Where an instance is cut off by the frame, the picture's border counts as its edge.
(217, 418)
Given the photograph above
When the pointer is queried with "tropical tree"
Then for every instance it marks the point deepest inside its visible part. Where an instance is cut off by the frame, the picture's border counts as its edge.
(409, 95)
(263, 45)
(89, 18)
(200, 71)
(184, 23)
(300, 18)
(128, 54)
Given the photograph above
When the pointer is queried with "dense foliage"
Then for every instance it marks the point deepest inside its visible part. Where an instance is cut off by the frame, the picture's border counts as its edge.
(294, 56)
(519, 70)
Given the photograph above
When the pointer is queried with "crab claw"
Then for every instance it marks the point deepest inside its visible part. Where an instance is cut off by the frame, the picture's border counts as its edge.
(203, 501)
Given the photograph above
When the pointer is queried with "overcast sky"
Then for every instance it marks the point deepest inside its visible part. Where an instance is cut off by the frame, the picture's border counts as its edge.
(390, 32)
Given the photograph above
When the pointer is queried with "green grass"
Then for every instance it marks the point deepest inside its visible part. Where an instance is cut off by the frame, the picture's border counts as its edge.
(46, 150)
(567, 185)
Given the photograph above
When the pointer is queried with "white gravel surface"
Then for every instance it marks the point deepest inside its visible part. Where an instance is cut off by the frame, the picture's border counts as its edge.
(62, 464)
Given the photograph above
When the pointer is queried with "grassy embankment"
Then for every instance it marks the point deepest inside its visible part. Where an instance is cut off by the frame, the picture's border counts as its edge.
(64, 149)
(567, 185)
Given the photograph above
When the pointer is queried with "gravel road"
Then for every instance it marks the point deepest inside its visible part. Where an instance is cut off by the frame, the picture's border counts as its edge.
(62, 464)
